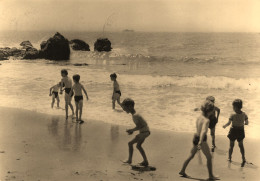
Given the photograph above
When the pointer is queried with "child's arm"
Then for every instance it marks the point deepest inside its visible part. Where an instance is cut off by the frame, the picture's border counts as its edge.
(84, 91)
(51, 90)
(218, 112)
(71, 90)
(246, 120)
(137, 120)
(61, 86)
(228, 123)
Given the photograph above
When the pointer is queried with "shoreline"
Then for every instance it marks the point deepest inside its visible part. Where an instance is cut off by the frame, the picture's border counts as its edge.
(46, 147)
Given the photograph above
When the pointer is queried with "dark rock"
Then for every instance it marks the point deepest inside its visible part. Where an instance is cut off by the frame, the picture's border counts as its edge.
(26, 44)
(77, 44)
(43, 44)
(80, 64)
(102, 44)
(3, 56)
(31, 53)
(56, 48)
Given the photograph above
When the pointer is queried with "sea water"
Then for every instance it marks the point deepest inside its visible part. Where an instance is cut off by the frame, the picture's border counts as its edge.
(167, 74)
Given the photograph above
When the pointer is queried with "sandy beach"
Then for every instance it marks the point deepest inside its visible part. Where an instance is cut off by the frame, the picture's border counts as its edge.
(38, 146)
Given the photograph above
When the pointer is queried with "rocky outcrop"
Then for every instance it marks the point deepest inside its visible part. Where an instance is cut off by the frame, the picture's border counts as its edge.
(77, 44)
(102, 44)
(31, 53)
(7, 52)
(26, 44)
(56, 48)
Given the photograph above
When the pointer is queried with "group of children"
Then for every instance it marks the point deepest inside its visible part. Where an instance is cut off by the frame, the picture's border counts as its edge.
(208, 119)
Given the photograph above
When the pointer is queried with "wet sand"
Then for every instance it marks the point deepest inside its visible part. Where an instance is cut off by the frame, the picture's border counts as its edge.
(36, 146)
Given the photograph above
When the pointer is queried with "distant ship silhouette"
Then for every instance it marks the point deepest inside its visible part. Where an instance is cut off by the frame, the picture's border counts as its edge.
(127, 30)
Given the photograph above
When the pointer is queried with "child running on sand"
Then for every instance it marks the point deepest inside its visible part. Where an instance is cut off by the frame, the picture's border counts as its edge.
(116, 91)
(67, 83)
(141, 125)
(200, 139)
(213, 120)
(237, 132)
(54, 92)
(77, 88)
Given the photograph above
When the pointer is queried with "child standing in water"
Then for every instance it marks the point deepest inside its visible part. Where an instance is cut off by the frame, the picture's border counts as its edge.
(77, 88)
(116, 91)
(213, 120)
(141, 125)
(237, 132)
(54, 92)
(67, 83)
(200, 139)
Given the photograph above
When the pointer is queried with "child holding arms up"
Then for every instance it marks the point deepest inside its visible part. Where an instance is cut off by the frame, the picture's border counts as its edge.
(77, 88)
(54, 92)
(141, 125)
(116, 91)
(237, 132)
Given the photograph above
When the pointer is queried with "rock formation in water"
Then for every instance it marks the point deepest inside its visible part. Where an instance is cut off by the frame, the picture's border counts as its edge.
(77, 44)
(102, 44)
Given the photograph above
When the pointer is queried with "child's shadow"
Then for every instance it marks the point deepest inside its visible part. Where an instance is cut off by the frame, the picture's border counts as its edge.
(118, 110)
(193, 178)
(220, 152)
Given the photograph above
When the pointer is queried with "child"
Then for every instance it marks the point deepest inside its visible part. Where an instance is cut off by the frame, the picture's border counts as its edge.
(67, 83)
(213, 120)
(200, 139)
(141, 125)
(77, 88)
(237, 132)
(54, 92)
(116, 91)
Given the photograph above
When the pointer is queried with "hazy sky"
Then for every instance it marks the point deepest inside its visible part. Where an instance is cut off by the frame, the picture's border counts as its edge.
(140, 15)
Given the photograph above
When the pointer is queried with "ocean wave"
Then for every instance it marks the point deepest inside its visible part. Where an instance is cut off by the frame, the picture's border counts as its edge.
(217, 82)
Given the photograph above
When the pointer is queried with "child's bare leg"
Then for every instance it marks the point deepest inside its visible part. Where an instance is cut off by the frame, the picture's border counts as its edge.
(66, 109)
(77, 110)
(205, 149)
(242, 150)
(185, 164)
(58, 101)
(131, 150)
(53, 101)
(71, 107)
(80, 109)
(230, 151)
(113, 104)
(118, 101)
(212, 133)
(141, 150)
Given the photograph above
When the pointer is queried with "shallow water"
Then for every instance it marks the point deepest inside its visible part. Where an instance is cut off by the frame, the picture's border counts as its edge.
(167, 74)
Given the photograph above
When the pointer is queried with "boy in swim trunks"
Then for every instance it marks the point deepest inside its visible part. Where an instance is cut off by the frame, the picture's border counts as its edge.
(237, 132)
(213, 120)
(141, 125)
(200, 139)
(77, 88)
(116, 91)
(67, 83)
(54, 92)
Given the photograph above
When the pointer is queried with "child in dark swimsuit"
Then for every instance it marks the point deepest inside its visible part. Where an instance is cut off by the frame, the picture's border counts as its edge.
(200, 139)
(55, 94)
(77, 88)
(213, 120)
(237, 132)
(116, 91)
(67, 83)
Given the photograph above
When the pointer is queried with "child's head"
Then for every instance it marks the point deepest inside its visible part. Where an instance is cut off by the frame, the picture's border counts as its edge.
(237, 104)
(128, 105)
(207, 108)
(113, 76)
(64, 72)
(76, 78)
(210, 98)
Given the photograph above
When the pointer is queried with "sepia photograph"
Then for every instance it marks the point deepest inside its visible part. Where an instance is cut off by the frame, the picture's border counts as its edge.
(129, 90)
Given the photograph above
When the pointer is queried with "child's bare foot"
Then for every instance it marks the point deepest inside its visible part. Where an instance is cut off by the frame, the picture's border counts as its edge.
(128, 162)
(213, 178)
(67, 117)
(183, 174)
(81, 121)
(144, 163)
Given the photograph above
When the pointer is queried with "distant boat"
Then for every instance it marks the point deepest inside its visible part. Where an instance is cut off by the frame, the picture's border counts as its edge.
(127, 30)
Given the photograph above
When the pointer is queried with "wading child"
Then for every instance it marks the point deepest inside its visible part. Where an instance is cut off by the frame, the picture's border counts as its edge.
(141, 126)
(213, 120)
(54, 92)
(77, 88)
(237, 132)
(67, 83)
(116, 91)
(200, 139)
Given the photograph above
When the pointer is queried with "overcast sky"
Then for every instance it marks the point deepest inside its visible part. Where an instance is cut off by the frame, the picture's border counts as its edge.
(140, 15)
